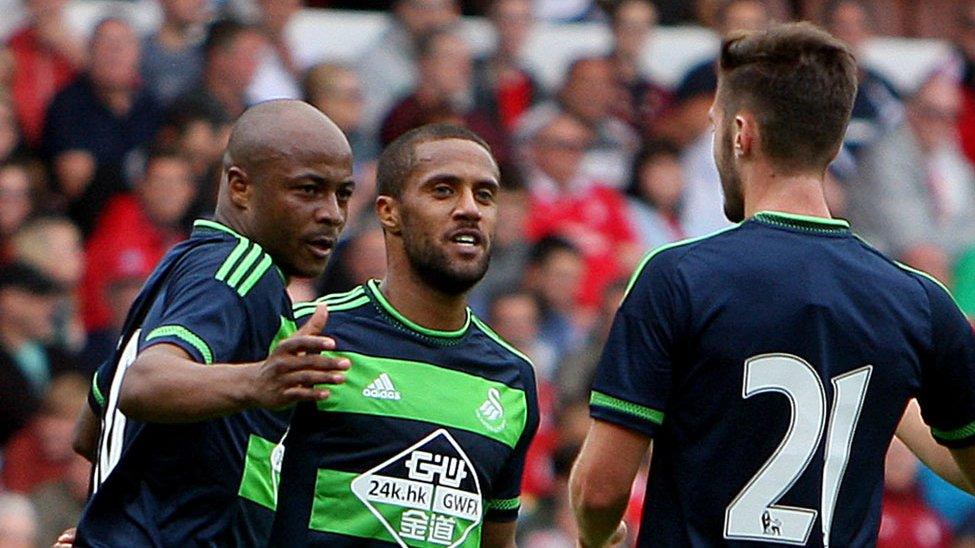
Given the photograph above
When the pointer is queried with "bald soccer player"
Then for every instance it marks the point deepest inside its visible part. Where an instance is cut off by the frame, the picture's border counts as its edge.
(186, 432)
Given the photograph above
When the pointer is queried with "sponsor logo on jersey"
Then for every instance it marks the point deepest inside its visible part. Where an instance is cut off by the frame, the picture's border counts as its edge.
(428, 495)
(491, 412)
(381, 388)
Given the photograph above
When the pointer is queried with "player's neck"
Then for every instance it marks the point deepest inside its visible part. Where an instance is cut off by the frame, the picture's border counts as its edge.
(422, 304)
(800, 194)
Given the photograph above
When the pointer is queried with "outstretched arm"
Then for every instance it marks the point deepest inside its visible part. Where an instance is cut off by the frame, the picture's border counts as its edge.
(601, 481)
(165, 385)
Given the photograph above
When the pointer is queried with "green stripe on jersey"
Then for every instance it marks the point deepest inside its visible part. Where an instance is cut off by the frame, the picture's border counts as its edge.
(255, 276)
(259, 481)
(430, 393)
(331, 299)
(604, 400)
(497, 338)
(503, 504)
(97, 392)
(410, 324)
(964, 432)
(186, 335)
(245, 265)
(309, 310)
(231, 260)
(286, 328)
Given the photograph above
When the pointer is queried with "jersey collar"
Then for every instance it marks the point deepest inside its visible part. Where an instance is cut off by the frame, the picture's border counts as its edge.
(803, 222)
(373, 287)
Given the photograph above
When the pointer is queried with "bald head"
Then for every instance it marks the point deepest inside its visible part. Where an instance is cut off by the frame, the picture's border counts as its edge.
(286, 182)
(277, 130)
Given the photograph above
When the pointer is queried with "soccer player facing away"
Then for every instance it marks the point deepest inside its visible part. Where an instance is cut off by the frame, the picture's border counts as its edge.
(771, 362)
(425, 442)
(209, 347)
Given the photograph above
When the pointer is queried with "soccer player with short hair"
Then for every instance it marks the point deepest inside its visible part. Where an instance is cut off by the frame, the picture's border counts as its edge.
(771, 362)
(210, 347)
(424, 443)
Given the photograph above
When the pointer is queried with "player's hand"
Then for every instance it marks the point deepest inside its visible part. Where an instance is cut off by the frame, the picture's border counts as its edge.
(66, 540)
(290, 374)
(619, 536)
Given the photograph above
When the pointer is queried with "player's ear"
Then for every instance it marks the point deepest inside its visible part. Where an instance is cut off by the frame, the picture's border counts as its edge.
(239, 186)
(746, 135)
(387, 211)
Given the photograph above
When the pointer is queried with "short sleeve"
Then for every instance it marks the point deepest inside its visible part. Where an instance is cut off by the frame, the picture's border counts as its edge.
(634, 375)
(200, 314)
(505, 499)
(948, 377)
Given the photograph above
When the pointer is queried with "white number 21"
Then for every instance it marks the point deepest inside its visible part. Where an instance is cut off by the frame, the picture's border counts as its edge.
(754, 514)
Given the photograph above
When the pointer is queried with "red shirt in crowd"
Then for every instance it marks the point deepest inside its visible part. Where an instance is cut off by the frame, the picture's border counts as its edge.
(125, 240)
(907, 521)
(591, 216)
(39, 73)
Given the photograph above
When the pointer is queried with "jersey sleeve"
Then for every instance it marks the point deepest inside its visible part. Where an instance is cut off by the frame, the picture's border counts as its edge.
(99, 388)
(212, 319)
(948, 377)
(505, 500)
(634, 375)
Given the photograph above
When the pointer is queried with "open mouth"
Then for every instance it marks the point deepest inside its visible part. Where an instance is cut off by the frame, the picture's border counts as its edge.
(321, 246)
(467, 238)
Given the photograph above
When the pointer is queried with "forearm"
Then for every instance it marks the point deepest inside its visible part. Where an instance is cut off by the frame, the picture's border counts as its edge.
(86, 428)
(597, 521)
(163, 387)
(917, 437)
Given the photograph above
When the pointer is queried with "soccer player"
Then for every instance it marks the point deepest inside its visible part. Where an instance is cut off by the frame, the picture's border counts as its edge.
(771, 362)
(209, 347)
(424, 443)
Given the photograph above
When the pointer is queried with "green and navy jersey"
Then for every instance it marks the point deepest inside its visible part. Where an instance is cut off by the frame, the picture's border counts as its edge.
(771, 363)
(424, 441)
(219, 297)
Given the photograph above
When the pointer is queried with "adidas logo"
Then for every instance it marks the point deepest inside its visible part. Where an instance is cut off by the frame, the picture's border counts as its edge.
(381, 388)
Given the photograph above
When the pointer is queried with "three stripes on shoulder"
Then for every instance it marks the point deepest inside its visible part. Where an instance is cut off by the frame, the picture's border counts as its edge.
(244, 267)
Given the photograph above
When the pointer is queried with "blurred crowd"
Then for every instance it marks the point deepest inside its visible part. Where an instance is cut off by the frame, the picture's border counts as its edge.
(110, 145)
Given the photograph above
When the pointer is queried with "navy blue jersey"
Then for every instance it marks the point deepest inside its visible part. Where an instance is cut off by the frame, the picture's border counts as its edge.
(424, 442)
(771, 363)
(219, 297)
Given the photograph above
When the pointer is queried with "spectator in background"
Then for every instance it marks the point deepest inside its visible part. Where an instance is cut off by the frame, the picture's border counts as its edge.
(905, 519)
(966, 49)
(277, 74)
(59, 503)
(565, 202)
(46, 57)
(137, 229)
(52, 245)
(12, 147)
(336, 90)
(199, 131)
(509, 249)
(687, 122)
(554, 277)
(877, 108)
(656, 194)
(18, 199)
(642, 101)
(359, 258)
(917, 188)
(172, 57)
(96, 122)
(387, 69)
(28, 302)
(443, 93)
(18, 522)
(503, 87)
(515, 316)
(590, 93)
(231, 54)
(41, 452)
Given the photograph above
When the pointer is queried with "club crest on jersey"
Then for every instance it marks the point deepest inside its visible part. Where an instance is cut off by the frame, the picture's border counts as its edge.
(428, 495)
(381, 388)
(491, 412)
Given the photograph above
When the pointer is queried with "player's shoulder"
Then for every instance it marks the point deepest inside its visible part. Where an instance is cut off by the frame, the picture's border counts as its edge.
(340, 305)
(937, 293)
(897, 276)
(221, 256)
(664, 260)
(505, 351)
